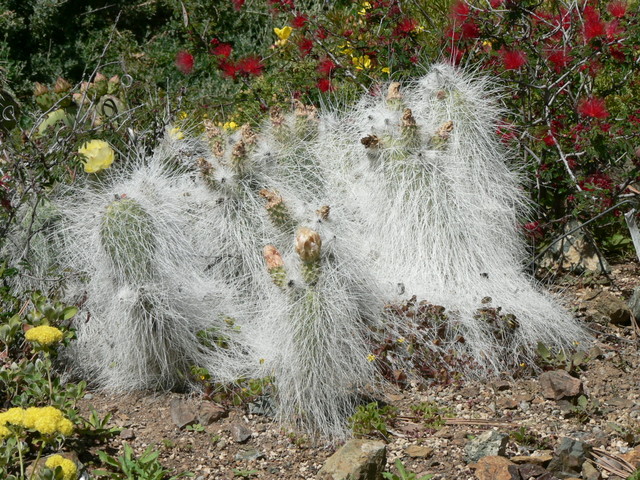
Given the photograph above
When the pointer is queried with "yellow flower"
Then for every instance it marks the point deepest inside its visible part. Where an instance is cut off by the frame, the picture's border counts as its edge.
(44, 335)
(283, 34)
(99, 155)
(69, 468)
(183, 115)
(386, 70)
(176, 134)
(65, 427)
(365, 6)
(230, 126)
(371, 357)
(401, 340)
(13, 416)
(30, 417)
(4, 432)
(49, 420)
(361, 62)
(347, 48)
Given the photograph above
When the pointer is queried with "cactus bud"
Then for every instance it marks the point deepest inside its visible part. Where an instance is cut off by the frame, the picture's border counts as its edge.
(393, 93)
(40, 89)
(407, 119)
(239, 151)
(247, 134)
(100, 85)
(308, 244)
(114, 85)
(275, 265)
(323, 212)
(370, 141)
(275, 114)
(61, 86)
(277, 209)
(211, 130)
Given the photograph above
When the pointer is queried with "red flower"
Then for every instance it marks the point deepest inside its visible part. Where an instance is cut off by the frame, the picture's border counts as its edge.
(513, 59)
(250, 66)
(321, 33)
(496, 3)
(532, 229)
(559, 58)
(549, 140)
(617, 53)
(618, 9)
(405, 27)
(598, 180)
(613, 29)
(324, 85)
(228, 68)
(185, 62)
(299, 21)
(222, 50)
(593, 26)
(460, 11)
(326, 66)
(237, 4)
(470, 29)
(305, 45)
(593, 107)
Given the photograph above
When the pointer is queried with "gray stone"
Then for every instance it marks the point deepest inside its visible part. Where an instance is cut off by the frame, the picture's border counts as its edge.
(613, 308)
(589, 472)
(568, 458)
(489, 443)
(209, 413)
(559, 384)
(356, 460)
(127, 434)
(182, 413)
(248, 455)
(576, 253)
(239, 433)
(634, 303)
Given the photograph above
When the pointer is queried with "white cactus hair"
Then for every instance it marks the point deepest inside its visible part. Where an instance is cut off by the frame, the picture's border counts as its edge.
(139, 329)
(442, 213)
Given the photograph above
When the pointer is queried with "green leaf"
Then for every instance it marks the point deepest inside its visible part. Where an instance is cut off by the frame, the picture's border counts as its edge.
(69, 312)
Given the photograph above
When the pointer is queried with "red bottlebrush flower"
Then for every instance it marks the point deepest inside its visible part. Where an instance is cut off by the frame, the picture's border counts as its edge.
(532, 229)
(453, 34)
(250, 66)
(326, 66)
(617, 53)
(618, 9)
(593, 26)
(612, 29)
(470, 30)
(228, 68)
(184, 62)
(237, 4)
(222, 50)
(559, 58)
(305, 45)
(513, 59)
(405, 27)
(549, 140)
(460, 11)
(321, 33)
(597, 180)
(496, 3)
(324, 85)
(593, 107)
(299, 21)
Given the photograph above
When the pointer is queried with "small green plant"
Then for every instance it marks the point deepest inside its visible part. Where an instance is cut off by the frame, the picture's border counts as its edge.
(403, 474)
(196, 427)
(585, 409)
(432, 416)
(524, 437)
(129, 467)
(635, 475)
(552, 360)
(372, 420)
(244, 473)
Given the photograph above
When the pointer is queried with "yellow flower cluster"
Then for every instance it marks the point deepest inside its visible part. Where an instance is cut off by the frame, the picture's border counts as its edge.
(46, 420)
(69, 468)
(176, 133)
(44, 335)
(99, 155)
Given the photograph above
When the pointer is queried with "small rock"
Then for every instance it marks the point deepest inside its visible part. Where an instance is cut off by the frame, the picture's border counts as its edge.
(127, 434)
(209, 413)
(182, 413)
(495, 468)
(489, 443)
(541, 460)
(576, 253)
(419, 451)
(589, 472)
(239, 433)
(356, 460)
(248, 455)
(613, 308)
(633, 457)
(634, 302)
(501, 385)
(558, 384)
(529, 470)
(508, 403)
(569, 457)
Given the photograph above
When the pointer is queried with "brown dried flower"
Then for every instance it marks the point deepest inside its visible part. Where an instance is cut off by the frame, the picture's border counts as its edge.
(308, 243)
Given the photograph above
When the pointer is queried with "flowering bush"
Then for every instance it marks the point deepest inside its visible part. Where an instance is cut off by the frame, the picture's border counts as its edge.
(572, 82)
(44, 335)
(68, 467)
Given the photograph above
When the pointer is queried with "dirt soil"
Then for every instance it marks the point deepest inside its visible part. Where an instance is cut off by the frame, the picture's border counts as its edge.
(610, 420)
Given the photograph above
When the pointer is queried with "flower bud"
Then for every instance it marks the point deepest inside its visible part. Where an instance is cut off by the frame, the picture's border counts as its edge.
(272, 257)
(61, 86)
(40, 89)
(393, 92)
(308, 243)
